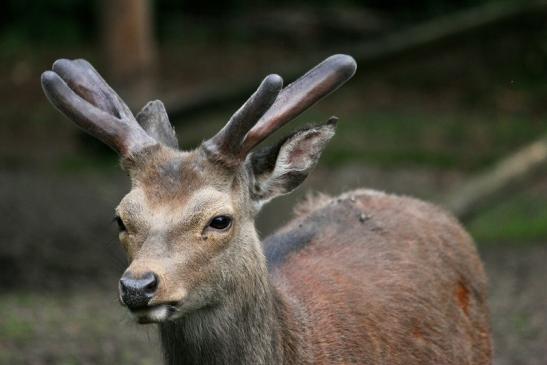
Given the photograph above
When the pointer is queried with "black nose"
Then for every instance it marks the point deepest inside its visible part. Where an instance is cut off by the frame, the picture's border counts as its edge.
(137, 292)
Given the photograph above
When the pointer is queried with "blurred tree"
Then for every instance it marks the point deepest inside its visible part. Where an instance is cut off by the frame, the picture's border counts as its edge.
(130, 47)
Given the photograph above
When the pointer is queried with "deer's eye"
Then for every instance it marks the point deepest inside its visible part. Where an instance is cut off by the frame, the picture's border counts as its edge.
(220, 222)
(121, 225)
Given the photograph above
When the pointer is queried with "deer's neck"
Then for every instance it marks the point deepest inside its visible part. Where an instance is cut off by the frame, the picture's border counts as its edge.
(254, 325)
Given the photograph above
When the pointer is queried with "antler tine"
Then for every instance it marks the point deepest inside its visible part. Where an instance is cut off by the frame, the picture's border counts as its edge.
(320, 81)
(82, 77)
(226, 144)
(154, 120)
(80, 93)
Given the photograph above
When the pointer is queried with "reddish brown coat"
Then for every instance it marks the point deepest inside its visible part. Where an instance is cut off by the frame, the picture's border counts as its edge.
(382, 279)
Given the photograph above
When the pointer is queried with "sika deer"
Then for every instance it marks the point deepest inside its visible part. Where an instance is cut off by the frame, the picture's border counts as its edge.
(365, 278)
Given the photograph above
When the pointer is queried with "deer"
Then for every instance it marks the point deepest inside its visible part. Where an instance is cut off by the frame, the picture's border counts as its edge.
(366, 277)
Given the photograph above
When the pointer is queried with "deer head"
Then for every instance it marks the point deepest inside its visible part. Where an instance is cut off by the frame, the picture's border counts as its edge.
(187, 224)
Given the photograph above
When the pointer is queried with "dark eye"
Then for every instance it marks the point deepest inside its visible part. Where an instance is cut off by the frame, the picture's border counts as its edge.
(121, 225)
(220, 222)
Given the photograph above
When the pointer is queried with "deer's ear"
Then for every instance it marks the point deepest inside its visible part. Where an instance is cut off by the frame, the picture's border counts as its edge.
(279, 169)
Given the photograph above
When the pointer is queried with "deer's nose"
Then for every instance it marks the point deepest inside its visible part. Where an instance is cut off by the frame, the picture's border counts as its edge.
(136, 292)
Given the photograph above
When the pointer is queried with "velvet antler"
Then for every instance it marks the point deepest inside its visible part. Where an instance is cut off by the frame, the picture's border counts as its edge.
(269, 108)
(77, 90)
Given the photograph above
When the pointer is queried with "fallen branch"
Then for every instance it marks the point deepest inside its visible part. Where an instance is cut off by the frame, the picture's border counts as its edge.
(508, 175)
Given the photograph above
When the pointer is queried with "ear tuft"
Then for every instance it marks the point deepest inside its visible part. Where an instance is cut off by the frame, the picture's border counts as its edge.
(333, 121)
(279, 169)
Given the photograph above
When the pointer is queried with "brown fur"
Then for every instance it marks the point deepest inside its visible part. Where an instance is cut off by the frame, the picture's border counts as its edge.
(404, 287)
(311, 202)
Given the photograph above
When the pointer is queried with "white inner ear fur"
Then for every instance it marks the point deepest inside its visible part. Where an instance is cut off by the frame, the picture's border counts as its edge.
(302, 151)
(299, 154)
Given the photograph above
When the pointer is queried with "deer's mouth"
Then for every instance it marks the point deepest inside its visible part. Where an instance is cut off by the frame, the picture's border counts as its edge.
(155, 313)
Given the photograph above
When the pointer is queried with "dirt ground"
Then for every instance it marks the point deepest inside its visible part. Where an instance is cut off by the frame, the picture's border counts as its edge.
(518, 302)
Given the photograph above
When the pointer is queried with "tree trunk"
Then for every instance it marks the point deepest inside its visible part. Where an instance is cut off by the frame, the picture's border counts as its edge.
(129, 47)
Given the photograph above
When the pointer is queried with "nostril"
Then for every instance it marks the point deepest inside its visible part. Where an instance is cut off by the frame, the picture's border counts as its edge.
(137, 292)
(151, 285)
(123, 285)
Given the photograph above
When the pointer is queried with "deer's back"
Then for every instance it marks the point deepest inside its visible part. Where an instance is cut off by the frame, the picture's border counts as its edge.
(382, 279)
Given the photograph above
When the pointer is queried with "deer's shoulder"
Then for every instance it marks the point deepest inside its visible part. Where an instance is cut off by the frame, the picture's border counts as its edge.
(355, 217)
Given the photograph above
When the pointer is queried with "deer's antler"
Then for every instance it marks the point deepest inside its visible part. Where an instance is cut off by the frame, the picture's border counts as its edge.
(268, 108)
(226, 144)
(317, 83)
(77, 90)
